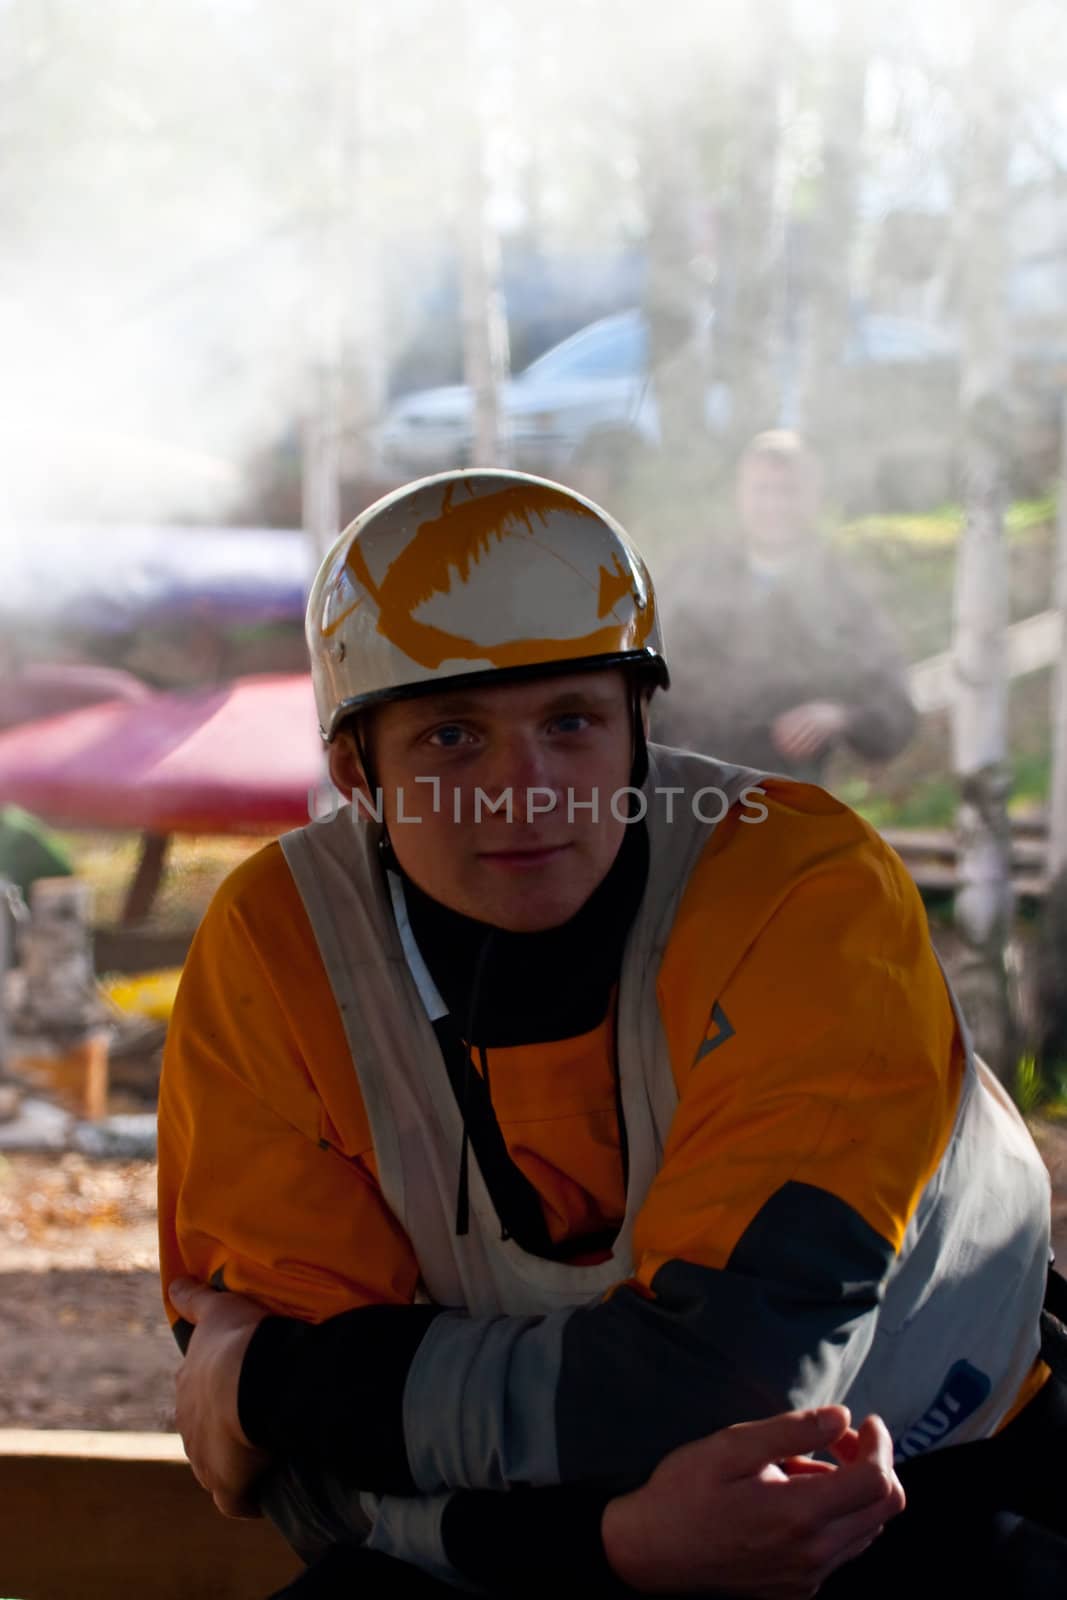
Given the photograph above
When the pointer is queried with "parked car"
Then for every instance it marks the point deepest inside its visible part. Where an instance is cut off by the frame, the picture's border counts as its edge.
(593, 394)
(593, 386)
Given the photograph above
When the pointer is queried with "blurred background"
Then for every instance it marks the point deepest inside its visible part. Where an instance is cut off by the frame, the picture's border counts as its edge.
(783, 286)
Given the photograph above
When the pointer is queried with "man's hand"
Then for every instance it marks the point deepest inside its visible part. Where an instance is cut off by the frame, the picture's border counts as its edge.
(223, 1461)
(743, 1511)
(807, 729)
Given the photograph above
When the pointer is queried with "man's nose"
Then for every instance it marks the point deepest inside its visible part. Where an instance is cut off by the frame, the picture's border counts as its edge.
(519, 762)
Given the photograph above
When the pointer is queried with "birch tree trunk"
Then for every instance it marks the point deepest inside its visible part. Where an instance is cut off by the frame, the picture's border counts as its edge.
(746, 316)
(320, 462)
(1050, 989)
(321, 443)
(832, 241)
(1057, 832)
(364, 325)
(984, 897)
(676, 300)
(484, 320)
(346, 335)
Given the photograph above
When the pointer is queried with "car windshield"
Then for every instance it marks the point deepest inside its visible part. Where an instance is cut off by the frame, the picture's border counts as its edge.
(615, 350)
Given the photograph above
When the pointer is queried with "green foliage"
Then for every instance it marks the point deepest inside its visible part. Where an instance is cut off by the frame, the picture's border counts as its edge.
(928, 804)
(1033, 774)
(1028, 1088)
(931, 802)
(1026, 515)
(1039, 1088)
(941, 526)
(1055, 1106)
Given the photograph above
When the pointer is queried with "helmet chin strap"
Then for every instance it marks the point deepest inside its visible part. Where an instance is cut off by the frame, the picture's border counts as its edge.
(386, 853)
(639, 769)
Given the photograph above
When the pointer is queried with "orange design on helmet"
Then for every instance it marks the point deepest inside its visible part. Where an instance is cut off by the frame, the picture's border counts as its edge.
(446, 547)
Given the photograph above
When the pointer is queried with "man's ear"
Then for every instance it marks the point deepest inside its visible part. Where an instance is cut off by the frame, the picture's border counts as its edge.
(346, 769)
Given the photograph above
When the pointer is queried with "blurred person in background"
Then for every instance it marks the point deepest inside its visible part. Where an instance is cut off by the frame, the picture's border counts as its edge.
(778, 657)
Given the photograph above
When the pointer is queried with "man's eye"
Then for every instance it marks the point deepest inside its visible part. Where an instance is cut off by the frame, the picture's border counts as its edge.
(571, 722)
(449, 737)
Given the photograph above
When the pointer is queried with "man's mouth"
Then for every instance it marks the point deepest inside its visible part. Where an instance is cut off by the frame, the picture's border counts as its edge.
(524, 857)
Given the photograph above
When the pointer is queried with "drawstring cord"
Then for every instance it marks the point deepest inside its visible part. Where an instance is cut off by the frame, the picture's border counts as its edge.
(463, 1211)
(639, 768)
(386, 854)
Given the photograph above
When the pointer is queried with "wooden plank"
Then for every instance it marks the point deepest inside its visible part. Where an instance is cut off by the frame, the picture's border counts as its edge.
(930, 856)
(939, 878)
(97, 1516)
(79, 1444)
(921, 841)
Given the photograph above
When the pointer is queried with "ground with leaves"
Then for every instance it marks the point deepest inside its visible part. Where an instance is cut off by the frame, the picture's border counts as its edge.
(85, 1342)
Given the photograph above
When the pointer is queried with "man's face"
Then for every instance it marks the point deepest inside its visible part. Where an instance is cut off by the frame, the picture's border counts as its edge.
(550, 745)
(778, 503)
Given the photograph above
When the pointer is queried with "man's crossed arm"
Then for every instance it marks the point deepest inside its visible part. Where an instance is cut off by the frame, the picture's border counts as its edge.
(742, 1510)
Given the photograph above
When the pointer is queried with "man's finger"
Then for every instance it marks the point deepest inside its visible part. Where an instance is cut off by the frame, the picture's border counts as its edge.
(801, 1466)
(185, 1295)
(847, 1490)
(846, 1448)
(748, 1446)
(859, 1525)
(873, 1442)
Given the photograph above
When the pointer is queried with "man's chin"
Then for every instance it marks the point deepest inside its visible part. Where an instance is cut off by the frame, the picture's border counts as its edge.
(535, 923)
(531, 908)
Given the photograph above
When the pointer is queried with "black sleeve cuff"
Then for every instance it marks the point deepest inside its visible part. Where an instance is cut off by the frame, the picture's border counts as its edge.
(522, 1541)
(334, 1390)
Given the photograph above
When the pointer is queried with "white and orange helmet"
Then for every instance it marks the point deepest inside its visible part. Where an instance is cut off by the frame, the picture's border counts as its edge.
(475, 572)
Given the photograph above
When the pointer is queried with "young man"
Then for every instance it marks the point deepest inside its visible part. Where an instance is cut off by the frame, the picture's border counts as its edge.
(597, 1099)
(780, 656)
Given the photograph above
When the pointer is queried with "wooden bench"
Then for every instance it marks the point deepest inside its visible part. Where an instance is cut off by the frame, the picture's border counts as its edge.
(930, 855)
(119, 1516)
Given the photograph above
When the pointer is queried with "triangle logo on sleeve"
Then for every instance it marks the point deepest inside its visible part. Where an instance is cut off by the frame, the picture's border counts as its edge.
(720, 1028)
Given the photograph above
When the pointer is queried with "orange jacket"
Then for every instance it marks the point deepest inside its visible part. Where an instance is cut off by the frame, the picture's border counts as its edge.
(266, 1165)
(818, 1066)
